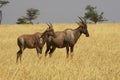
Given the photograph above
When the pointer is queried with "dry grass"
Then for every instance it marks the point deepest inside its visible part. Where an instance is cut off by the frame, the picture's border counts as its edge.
(95, 58)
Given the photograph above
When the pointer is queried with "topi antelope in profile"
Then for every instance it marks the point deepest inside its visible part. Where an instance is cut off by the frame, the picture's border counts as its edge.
(67, 38)
(31, 41)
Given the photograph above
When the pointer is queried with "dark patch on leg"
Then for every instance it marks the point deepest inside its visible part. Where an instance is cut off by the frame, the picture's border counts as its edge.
(51, 51)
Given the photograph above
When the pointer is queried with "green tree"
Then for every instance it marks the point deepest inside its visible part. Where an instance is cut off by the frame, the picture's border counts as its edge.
(31, 14)
(2, 3)
(22, 21)
(92, 14)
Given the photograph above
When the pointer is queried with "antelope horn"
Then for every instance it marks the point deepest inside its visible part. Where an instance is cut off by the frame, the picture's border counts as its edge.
(48, 24)
(81, 19)
(84, 19)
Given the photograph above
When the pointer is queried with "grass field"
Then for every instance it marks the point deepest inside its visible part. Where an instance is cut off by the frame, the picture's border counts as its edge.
(95, 58)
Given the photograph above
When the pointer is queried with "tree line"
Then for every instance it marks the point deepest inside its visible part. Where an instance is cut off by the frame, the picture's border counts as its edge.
(91, 14)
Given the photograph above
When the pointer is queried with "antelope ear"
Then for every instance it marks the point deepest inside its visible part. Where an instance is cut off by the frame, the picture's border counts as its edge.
(51, 25)
(48, 29)
(77, 23)
(47, 24)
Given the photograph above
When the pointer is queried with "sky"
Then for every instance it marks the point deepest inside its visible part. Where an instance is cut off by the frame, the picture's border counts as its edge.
(59, 11)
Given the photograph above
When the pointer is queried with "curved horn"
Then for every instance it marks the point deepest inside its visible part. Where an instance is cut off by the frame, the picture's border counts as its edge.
(81, 19)
(51, 24)
(48, 24)
(84, 19)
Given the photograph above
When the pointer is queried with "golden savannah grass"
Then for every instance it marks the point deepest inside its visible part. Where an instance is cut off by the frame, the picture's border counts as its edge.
(95, 58)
